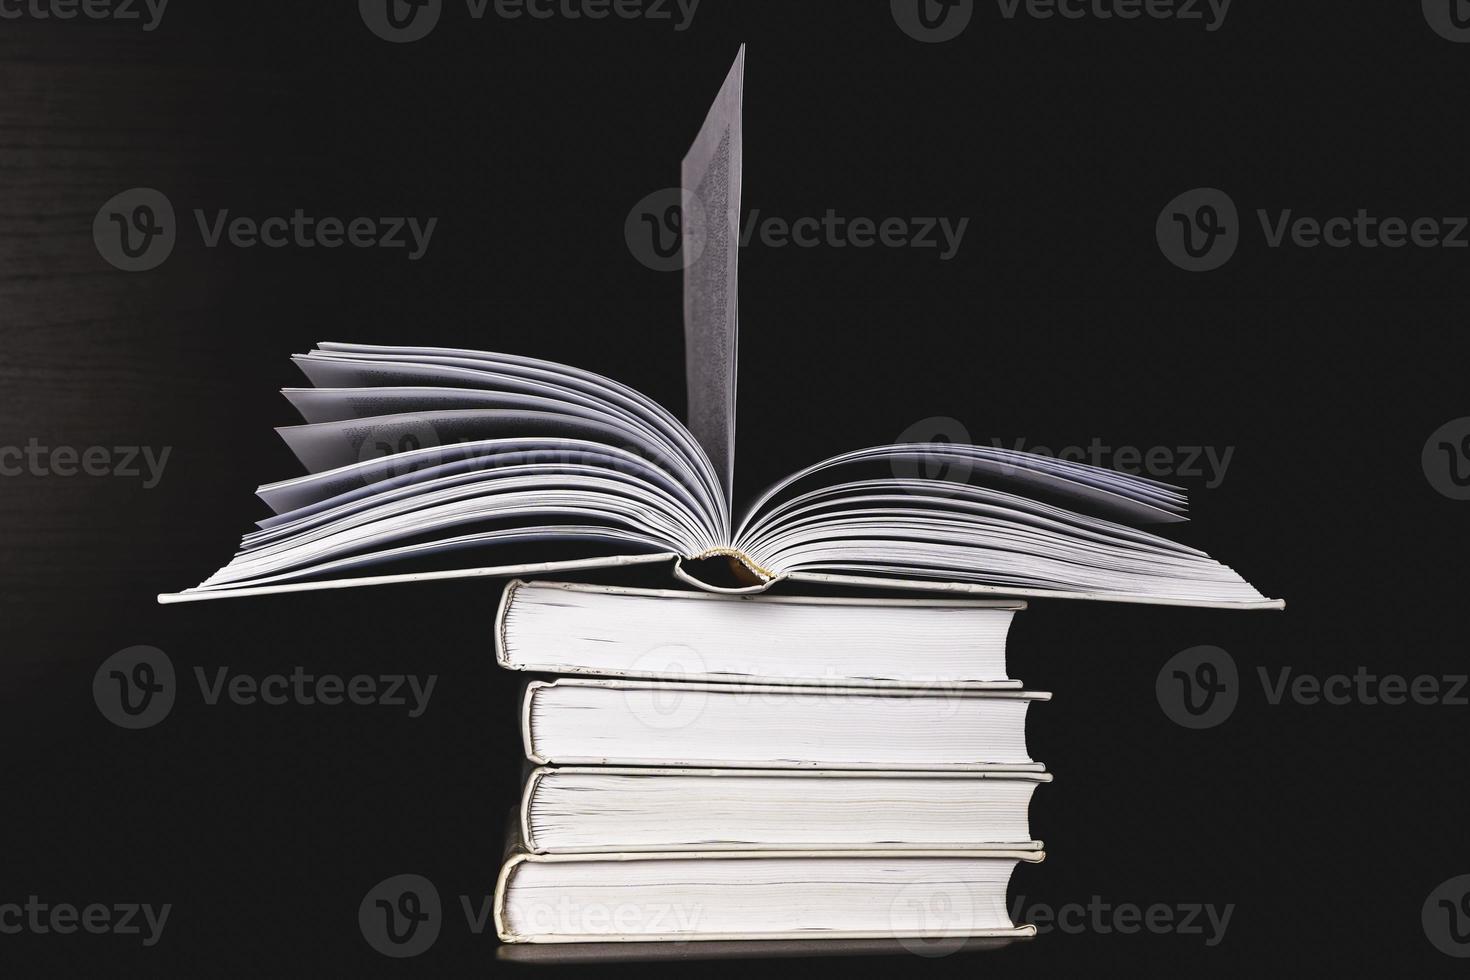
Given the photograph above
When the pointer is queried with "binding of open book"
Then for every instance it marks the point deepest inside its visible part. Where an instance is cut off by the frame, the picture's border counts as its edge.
(418, 456)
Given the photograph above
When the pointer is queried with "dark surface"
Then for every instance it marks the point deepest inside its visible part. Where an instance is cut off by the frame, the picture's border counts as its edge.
(1059, 321)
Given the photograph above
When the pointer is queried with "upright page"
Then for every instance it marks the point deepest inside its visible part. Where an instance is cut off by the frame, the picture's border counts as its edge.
(711, 177)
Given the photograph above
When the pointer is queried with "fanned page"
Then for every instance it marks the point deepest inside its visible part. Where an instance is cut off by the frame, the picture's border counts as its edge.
(711, 219)
(429, 463)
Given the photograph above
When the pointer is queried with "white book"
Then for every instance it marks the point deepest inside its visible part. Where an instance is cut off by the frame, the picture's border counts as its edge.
(427, 463)
(608, 809)
(566, 628)
(578, 721)
(680, 897)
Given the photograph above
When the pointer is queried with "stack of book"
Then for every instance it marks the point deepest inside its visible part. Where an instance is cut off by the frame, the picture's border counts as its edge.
(729, 767)
(723, 764)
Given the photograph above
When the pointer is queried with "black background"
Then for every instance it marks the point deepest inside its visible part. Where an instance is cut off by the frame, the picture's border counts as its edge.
(1058, 321)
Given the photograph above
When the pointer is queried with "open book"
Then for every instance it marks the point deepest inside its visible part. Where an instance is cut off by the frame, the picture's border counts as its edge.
(499, 464)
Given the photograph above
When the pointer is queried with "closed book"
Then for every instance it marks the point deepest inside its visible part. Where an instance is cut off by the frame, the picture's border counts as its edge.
(568, 628)
(712, 896)
(602, 809)
(582, 721)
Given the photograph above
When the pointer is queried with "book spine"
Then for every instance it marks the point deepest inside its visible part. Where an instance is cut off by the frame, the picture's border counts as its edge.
(502, 613)
(528, 833)
(502, 885)
(528, 736)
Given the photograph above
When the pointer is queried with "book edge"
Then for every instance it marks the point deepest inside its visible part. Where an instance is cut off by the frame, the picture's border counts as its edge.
(509, 868)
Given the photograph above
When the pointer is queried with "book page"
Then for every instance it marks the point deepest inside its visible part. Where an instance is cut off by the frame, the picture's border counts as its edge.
(711, 176)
